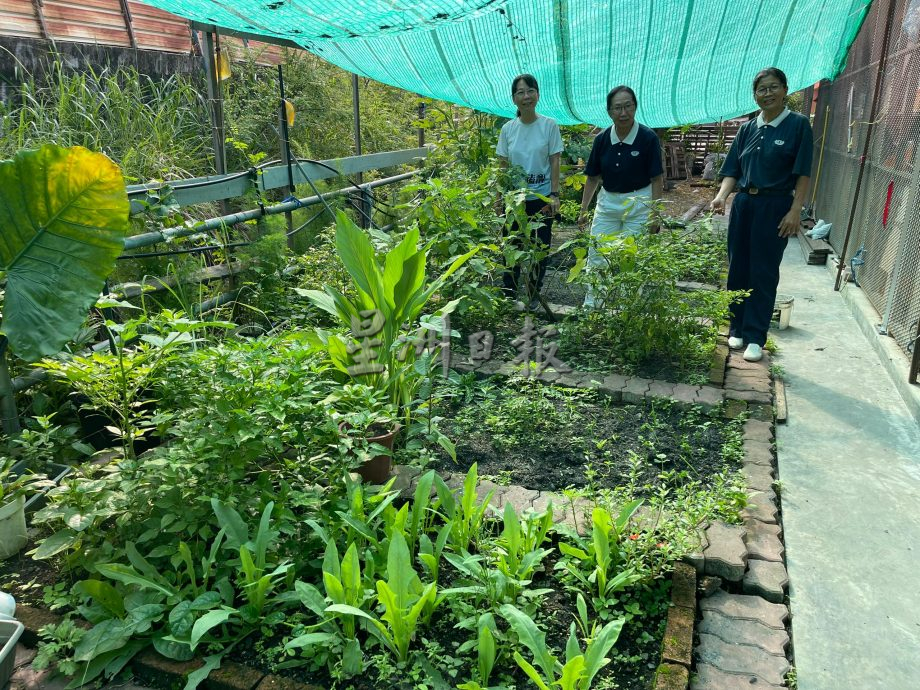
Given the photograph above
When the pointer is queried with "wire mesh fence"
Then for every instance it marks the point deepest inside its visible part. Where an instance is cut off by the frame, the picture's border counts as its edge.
(883, 250)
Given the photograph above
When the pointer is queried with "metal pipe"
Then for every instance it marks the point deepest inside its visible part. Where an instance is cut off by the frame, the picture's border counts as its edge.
(148, 238)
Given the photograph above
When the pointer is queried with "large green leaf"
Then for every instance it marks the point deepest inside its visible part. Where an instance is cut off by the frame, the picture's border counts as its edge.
(63, 218)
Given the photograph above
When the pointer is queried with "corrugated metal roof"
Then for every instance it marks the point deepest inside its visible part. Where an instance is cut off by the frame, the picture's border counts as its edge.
(104, 22)
(17, 18)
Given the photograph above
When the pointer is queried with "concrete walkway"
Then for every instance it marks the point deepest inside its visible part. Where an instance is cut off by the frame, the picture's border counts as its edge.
(849, 467)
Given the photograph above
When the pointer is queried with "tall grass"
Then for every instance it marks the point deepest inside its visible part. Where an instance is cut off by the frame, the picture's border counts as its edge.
(151, 128)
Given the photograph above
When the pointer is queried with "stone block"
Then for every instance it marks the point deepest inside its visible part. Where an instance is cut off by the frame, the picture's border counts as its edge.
(485, 486)
(280, 683)
(746, 607)
(760, 507)
(750, 396)
(756, 430)
(232, 676)
(156, 671)
(406, 477)
(734, 408)
(521, 498)
(740, 631)
(758, 453)
(737, 361)
(708, 677)
(635, 390)
(671, 677)
(758, 477)
(742, 659)
(763, 542)
(709, 397)
(684, 394)
(542, 501)
(613, 382)
(762, 411)
(549, 376)
(677, 645)
(582, 510)
(767, 579)
(683, 586)
(661, 389)
(726, 554)
(694, 556)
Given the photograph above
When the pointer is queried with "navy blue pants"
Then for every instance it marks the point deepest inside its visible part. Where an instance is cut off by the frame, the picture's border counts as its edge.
(755, 250)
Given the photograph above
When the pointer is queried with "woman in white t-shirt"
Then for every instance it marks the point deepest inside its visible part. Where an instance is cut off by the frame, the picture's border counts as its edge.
(532, 142)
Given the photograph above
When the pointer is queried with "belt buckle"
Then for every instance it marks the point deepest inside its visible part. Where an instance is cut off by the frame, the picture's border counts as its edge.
(753, 190)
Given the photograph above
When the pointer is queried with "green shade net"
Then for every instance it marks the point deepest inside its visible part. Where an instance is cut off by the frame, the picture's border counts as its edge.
(688, 60)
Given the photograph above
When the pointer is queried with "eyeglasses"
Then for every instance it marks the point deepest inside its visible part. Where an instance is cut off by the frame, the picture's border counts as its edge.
(623, 108)
(764, 90)
(528, 92)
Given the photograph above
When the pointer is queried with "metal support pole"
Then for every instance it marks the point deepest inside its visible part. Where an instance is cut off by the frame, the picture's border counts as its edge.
(915, 360)
(912, 200)
(421, 131)
(215, 100)
(356, 109)
(285, 152)
(879, 78)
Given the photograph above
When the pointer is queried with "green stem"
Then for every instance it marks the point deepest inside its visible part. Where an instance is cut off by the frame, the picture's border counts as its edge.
(8, 411)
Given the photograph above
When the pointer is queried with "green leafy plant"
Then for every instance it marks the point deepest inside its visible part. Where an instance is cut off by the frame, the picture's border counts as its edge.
(598, 565)
(403, 597)
(390, 291)
(66, 207)
(581, 666)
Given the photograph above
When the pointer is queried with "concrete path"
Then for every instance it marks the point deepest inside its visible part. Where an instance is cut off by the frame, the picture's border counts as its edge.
(849, 466)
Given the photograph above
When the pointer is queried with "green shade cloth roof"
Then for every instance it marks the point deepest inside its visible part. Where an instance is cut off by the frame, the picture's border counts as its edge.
(688, 60)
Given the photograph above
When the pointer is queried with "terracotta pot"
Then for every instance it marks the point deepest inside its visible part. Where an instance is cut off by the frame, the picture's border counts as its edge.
(377, 469)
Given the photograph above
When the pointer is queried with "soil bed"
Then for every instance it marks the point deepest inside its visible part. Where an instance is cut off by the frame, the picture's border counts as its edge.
(551, 438)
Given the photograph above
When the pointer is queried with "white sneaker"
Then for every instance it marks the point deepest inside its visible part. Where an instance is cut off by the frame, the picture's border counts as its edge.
(753, 353)
(735, 343)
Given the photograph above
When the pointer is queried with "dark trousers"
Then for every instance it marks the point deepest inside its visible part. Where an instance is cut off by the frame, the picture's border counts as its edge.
(543, 235)
(755, 250)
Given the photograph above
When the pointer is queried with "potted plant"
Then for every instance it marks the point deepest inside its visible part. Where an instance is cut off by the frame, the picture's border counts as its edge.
(379, 343)
(368, 427)
(13, 491)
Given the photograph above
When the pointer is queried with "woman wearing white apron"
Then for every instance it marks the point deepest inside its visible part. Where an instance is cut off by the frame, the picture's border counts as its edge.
(625, 162)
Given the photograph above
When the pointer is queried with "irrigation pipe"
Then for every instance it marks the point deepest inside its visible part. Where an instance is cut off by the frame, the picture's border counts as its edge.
(148, 238)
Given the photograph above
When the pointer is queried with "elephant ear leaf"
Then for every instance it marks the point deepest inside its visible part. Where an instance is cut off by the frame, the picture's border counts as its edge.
(63, 219)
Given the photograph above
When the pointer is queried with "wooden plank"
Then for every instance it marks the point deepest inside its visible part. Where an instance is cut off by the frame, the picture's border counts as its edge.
(782, 412)
(155, 284)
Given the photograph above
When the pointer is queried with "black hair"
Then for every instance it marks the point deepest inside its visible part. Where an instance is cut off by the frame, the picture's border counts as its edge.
(771, 72)
(528, 79)
(622, 87)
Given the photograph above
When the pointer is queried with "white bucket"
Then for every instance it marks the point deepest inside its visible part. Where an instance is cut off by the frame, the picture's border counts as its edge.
(13, 535)
(782, 310)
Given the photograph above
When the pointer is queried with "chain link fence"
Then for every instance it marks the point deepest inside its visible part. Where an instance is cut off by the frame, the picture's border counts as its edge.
(884, 246)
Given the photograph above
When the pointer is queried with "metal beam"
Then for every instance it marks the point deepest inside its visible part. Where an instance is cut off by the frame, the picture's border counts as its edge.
(209, 28)
(199, 190)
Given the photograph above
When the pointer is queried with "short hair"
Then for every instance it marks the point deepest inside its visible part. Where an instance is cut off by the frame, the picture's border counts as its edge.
(622, 87)
(771, 72)
(528, 79)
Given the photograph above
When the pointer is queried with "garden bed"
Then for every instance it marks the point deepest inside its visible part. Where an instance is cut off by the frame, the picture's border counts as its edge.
(551, 438)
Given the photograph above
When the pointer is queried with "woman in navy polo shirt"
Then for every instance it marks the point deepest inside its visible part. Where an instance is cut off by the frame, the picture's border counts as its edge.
(534, 143)
(625, 162)
(770, 161)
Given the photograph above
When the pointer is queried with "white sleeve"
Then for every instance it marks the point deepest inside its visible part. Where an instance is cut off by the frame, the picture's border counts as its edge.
(501, 149)
(555, 139)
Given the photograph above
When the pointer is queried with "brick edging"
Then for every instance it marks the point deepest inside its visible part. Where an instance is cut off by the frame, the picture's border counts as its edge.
(156, 671)
(673, 672)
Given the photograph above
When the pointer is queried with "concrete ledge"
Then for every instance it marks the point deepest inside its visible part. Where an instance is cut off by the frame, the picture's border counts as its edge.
(890, 355)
